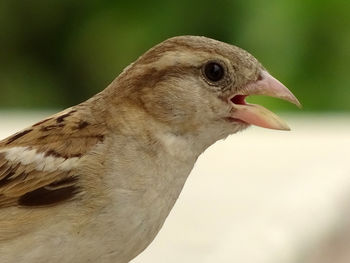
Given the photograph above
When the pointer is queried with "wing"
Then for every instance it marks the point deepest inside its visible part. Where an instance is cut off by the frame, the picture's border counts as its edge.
(38, 164)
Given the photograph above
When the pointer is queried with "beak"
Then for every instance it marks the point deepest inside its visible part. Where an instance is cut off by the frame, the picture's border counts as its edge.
(256, 114)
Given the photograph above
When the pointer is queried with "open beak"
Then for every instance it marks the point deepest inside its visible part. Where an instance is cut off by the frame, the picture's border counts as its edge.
(256, 114)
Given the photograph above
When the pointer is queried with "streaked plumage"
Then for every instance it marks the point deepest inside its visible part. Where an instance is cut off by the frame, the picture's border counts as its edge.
(96, 182)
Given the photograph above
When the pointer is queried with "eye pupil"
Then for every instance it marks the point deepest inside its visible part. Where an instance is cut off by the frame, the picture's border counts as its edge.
(214, 71)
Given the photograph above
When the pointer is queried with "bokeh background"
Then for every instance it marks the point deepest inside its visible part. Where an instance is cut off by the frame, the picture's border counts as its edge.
(260, 196)
(58, 53)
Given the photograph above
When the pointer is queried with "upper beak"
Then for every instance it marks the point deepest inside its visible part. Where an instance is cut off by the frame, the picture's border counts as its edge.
(256, 114)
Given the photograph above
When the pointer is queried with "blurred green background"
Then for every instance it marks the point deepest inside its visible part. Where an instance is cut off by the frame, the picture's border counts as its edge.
(56, 54)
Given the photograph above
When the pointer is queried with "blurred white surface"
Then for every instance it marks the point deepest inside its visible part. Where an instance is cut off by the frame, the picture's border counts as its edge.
(260, 196)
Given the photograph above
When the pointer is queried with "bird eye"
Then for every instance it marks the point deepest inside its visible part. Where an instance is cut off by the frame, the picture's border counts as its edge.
(213, 71)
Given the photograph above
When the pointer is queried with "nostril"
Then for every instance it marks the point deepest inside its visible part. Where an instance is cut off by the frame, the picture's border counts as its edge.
(239, 99)
(260, 77)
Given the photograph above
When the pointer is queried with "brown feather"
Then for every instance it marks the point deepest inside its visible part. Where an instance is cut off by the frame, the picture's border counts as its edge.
(69, 134)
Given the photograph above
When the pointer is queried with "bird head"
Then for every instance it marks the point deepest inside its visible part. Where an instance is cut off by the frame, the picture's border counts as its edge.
(200, 84)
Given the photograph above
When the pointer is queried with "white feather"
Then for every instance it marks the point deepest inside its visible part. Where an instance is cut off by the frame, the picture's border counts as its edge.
(26, 156)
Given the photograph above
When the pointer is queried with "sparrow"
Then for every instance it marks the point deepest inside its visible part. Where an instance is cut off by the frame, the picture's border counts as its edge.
(95, 182)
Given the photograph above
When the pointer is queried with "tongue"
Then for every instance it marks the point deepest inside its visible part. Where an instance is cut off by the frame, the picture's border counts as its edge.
(259, 116)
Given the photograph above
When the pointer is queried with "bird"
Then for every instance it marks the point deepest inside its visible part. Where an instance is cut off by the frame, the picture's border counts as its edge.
(96, 182)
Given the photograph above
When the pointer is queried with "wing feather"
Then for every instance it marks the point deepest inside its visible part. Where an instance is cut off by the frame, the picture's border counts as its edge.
(36, 164)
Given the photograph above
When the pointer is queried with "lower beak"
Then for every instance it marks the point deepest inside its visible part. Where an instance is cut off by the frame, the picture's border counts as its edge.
(256, 114)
